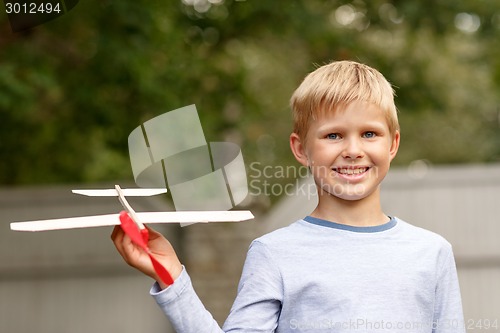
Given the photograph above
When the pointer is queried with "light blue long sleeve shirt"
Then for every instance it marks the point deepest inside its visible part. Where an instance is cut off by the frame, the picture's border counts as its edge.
(319, 276)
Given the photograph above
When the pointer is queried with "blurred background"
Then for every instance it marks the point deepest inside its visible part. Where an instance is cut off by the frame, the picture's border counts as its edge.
(72, 90)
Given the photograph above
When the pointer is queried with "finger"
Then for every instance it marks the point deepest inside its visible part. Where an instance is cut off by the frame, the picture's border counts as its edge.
(123, 244)
(115, 231)
(127, 246)
(117, 238)
(131, 252)
(150, 230)
(153, 234)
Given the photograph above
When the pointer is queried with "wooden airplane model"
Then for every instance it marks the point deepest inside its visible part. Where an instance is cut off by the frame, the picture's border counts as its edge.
(183, 217)
(132, 223)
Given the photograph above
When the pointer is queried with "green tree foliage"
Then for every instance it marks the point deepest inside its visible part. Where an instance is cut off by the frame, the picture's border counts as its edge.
(72, 90)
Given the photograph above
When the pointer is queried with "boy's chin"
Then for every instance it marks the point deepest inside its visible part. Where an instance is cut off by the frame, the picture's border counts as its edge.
(350, 193)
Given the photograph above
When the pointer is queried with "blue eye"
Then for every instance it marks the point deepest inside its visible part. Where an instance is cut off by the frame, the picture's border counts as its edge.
(369, 135)
(332, 136)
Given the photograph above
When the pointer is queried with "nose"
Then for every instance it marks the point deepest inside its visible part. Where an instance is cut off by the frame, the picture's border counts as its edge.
(353, 149)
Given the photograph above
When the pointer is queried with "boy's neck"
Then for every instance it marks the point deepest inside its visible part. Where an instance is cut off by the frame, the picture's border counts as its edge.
(360, 213)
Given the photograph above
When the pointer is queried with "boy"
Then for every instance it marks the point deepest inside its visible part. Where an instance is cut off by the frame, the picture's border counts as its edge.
(347, 267)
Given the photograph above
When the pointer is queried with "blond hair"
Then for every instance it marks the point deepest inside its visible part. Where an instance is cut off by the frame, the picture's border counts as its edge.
(339, 83)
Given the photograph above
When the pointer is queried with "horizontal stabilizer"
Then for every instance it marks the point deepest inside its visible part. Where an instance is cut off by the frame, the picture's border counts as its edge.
(128, 192)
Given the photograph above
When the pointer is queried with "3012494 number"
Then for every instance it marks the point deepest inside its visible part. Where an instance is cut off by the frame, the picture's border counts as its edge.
(32, 8)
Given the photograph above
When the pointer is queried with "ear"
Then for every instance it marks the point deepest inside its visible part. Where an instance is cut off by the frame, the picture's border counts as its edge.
(395, 145)
(298, 149)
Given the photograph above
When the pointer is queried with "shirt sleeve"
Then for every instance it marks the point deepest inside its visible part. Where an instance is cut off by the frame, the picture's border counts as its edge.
(448, 312)
(255, 310)
(183, 307)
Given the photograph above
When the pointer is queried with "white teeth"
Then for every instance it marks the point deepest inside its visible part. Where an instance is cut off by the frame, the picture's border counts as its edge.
(346, 171)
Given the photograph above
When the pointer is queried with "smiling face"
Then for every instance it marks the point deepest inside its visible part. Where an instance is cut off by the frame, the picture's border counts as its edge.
(349, 150)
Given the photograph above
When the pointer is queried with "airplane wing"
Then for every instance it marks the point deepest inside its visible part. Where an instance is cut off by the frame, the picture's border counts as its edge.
(187, 217)
(128, 192)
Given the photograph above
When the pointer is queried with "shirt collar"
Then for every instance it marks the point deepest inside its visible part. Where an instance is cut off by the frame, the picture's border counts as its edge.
(378, 228)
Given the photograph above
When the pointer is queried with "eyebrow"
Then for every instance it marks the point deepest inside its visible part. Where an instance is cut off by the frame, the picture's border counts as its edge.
(368, 125)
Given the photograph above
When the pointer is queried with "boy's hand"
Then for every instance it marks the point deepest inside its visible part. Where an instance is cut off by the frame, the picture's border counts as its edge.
(135, 256)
